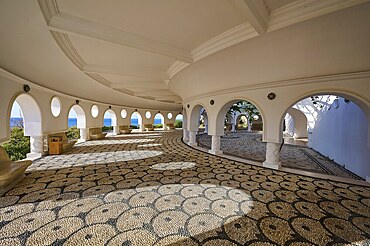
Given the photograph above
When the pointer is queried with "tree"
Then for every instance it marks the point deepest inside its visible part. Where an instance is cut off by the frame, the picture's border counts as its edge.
(178, 124)
(19, 145)
(244, 107)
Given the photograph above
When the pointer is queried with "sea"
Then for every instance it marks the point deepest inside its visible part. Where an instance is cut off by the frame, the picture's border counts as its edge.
(73, 122)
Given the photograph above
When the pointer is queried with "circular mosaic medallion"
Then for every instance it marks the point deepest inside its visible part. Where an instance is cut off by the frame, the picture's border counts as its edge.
(173, 165)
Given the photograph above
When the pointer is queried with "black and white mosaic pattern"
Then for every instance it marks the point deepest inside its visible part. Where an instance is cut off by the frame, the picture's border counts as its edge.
(152, 189)
(249, 146)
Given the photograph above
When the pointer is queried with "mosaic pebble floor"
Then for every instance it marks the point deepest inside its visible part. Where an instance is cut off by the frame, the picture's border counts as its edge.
(249, 146)
(152, 189)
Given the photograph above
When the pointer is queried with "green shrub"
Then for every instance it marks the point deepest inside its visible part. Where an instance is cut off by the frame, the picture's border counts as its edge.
(178, 124)
(134, 127)
(107, 128)
(73, 133)
(158, 126)
(19, 145)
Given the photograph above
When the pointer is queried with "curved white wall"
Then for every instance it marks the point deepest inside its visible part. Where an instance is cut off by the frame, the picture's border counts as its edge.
(331, 44)
(12, 86)
(342, 134)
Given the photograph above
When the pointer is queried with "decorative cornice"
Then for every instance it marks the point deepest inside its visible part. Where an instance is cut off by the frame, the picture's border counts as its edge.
(135, 72)
(21, 80)
(66, 23)
(231, 37)
(176, 67)
(49, 8)
(69, 50)
(284, 83)
(302, 10)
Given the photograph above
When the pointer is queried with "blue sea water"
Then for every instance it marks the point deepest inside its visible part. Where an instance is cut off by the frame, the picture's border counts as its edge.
(15, 121)
(73, 122)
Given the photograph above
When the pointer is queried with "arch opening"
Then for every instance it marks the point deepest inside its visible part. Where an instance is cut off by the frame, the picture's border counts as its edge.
(25, 123)
(239, 115)
(77, 117)
(77, 123)
(198, 121)
(179, 121)
(333, 130)
(136, 120)
(110, 118)
(237, 131)
(158, 121)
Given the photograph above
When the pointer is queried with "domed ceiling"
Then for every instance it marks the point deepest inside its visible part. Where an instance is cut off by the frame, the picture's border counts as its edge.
(127, 52)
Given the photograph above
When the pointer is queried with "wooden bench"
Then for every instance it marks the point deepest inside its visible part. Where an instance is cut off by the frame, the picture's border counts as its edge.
(125, 129)
(170, 126)
(11, 172)
(66, 144)
(148, 127)
(96, 133)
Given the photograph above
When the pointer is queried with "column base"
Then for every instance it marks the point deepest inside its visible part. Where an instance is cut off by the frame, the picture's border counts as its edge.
(215, 152)
(81, 140)
(33, 156)
(193, 144)
(272, 165)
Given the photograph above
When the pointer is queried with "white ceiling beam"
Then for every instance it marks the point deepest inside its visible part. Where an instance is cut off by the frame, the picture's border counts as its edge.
(154, 93)
(229, 38)
(170, 98)
(133, 85)
(66, 23)
(257, 13)
(94, 68)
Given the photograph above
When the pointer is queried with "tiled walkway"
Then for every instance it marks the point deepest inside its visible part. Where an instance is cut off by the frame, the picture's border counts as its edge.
(151, 189)
(250, 147)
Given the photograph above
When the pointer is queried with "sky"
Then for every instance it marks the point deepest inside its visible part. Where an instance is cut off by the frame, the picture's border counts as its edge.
(16, 111)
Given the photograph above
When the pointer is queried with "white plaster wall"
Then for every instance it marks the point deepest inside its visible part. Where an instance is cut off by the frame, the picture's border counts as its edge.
(331, 44)
(289, 125)
(342, 135)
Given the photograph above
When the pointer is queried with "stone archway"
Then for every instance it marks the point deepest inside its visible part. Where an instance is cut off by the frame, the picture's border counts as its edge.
(160, 117)
(32, 122)
(81, 121)
(110, 114)
(136, 120)
(337, 128)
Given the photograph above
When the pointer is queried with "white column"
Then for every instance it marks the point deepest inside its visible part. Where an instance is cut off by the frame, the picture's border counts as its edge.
(83, 135)
(272, 156)
(192, 138)
(206, 128)
(115, 130)
(216, 145)
(37, 147)
(232, 127)
(249, 127)
(185, 135)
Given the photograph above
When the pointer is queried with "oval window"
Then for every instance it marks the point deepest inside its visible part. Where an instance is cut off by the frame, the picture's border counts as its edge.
(148, 114)
(56, 106)
(123, 113)
(169, 115)
(94, 111)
